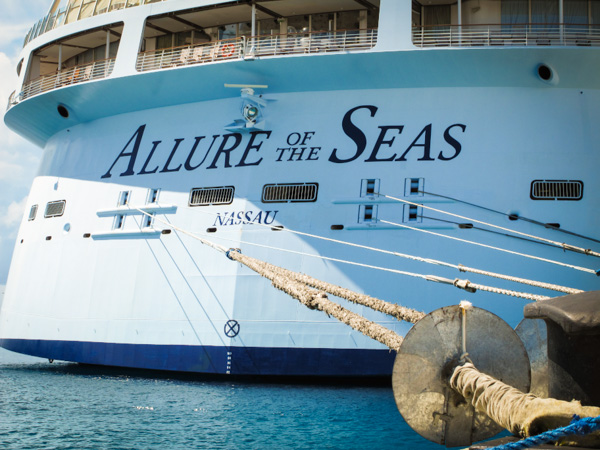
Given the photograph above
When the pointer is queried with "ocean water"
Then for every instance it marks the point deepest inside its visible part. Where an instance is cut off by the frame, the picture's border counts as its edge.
(68, 406)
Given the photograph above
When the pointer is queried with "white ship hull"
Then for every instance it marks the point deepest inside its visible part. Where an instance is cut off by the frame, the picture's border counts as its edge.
(82, 289)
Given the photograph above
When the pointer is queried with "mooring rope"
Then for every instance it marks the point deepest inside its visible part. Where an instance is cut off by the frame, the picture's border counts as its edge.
(318, 300)
(392, 309)
(551, 261)
(514, 216)
(522, 414)
(457, 282)
(460, 267)
(562, 245)
(505, 405)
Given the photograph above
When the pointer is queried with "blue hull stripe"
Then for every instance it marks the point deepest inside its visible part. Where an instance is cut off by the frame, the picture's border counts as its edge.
(217, 359)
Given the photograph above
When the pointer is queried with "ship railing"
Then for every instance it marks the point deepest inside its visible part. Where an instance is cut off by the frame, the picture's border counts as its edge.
(75, 11)
(313, 42)
(268, 45)
(532, 34)
(225, 49)
(72, 75)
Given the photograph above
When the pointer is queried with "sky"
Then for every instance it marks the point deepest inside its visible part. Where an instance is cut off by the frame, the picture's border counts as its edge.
(19, 159)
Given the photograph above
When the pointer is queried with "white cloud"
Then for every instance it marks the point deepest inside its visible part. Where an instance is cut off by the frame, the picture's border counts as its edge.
(11, 217)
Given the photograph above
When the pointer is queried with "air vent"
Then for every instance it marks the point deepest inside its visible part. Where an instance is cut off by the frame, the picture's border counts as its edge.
(211, 196)
(291, 192)
(33, 212)
(556, 190)
(55, 209)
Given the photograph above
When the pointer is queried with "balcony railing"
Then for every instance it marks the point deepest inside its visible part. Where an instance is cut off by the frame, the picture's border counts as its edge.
(72, 75)
(506, 35)
(191, 54)
(247, 47)
(315, 42)
(74, 12)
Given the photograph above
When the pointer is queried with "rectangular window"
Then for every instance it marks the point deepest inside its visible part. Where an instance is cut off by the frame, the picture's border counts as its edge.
(119, 222)
(148, 220)
(211, 196)
(123, 198)
(290, 192)
(55, 209)
(369, 187)
(412, 213)
(152, 195)
(367, 214)
(33, 212)
(414, 186)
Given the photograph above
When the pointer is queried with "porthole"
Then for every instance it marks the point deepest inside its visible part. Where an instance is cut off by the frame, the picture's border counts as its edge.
(547, 74)
(63, 111)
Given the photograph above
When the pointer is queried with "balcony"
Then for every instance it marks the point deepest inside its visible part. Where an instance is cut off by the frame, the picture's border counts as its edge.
(258, 46)
(73, 75)
(506, 35)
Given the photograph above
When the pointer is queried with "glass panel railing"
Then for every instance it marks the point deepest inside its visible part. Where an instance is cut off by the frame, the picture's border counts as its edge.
(76, 11)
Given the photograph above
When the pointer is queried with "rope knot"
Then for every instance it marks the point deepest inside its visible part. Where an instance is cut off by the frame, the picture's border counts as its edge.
(228, 252)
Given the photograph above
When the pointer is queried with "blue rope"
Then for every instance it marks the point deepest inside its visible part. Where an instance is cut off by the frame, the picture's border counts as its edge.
(578, 426)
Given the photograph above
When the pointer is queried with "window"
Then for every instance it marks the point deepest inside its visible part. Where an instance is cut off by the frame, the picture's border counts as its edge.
(33, 212)
(119, 221)
(123, 198)
(152, 195)
(369, 187)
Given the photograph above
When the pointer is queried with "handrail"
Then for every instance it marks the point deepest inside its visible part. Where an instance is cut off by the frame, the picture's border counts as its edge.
(72, 75)
(222, 50)
(527, 34)
(265, 45)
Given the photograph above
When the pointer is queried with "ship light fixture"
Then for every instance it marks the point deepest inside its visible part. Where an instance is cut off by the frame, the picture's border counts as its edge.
(252, 108)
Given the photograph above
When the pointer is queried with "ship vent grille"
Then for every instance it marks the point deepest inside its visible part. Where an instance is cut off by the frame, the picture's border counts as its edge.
(211, 196)
(556, 190)
(290, 192)
(55, 209)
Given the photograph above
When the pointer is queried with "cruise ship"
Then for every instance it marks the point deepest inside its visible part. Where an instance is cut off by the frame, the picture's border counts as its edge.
(354, 141)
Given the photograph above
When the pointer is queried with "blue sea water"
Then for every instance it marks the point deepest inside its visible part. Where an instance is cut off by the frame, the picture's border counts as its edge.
(68, 406)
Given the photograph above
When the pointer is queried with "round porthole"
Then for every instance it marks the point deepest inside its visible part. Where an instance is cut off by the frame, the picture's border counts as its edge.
(63, 111)
(547, 74)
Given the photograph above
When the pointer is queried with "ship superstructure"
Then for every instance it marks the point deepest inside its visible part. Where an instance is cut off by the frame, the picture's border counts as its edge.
(306, 134)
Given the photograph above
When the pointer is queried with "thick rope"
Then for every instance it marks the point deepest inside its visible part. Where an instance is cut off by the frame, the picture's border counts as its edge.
(460, 267)
(318, 300)
(391, 309)
(531, 236)
(570, 266)
(522, 414)
(578, 426)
